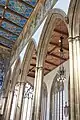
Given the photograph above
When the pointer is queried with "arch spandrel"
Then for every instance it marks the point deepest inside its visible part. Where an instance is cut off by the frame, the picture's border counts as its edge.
(49, 26)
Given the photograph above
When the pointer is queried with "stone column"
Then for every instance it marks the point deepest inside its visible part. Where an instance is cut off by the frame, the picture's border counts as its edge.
(74, 80)
(4, 101)
(25, 109)
(20, 99)
(37, 93)
(8, 106)
(78, 63)
(31, 109)
(72, 90)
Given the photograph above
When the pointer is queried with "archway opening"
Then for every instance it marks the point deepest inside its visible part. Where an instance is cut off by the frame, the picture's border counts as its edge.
(53, 57)
(53, 60)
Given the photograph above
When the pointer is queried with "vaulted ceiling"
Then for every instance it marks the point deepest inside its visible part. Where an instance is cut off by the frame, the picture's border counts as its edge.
(13, 16)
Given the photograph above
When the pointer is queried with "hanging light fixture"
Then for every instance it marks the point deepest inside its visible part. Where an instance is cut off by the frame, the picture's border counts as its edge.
(61, 72)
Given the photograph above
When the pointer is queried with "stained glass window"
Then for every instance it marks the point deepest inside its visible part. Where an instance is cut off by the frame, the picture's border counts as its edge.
(15, 18)
(20, 8)
(10, 27)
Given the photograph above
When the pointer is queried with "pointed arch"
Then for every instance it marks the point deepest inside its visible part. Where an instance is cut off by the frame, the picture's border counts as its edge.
(53, 18)
(49, 26)
(15, 73)
(74, 18)
(26, 60)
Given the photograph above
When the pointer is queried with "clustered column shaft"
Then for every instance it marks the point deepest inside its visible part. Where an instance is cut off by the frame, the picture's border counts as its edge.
(74, 79)
(37, 93)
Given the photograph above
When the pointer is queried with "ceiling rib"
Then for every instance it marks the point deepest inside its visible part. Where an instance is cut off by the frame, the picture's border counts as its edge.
(33, 64)
(61, 32)
(47, 69)
(34, 58)
(58, 46)
(51, 63)
(30, 75)
(52, 50)
(51, 54)
(32, 71)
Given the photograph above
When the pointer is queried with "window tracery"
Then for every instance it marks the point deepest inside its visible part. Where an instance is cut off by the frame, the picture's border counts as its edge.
(58, 100)
(27, 102)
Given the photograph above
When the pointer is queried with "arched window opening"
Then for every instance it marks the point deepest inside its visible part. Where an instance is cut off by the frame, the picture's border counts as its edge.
(58, 100)
(26, 113)
(27, 102)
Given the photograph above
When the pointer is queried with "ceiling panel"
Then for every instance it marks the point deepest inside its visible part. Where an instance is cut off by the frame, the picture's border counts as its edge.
(3, 2)
(31, 2)
(20, 8)
(11, 27)
(13, 16)
(1, 11)
(8, 35)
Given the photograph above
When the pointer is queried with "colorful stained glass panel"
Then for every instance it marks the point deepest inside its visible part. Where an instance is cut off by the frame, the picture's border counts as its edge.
(8, 35)
(3, 2)
(1, 11)
(15, 19)
(20, 8)
(10, 27)
(31, 2)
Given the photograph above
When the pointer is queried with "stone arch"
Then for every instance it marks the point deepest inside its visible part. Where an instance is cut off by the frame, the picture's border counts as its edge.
(7, 77)
(74, 46)
(15, 73)
(46, 33)
(26, 60)
(69, 95)
(44, 102)
(50, 24)
(74, 18)
(71, 16)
